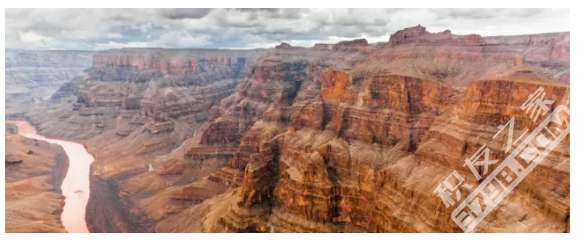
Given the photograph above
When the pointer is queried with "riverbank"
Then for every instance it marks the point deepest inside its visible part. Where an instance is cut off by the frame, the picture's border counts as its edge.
(34, 172)
(75, 186)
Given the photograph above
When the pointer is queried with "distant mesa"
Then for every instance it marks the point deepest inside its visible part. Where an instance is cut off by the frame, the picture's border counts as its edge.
(343, 45)
(322, 46)
(356, 42)
(284, 46)
(419, 34)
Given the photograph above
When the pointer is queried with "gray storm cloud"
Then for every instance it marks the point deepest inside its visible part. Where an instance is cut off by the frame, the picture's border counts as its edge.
(97, 29)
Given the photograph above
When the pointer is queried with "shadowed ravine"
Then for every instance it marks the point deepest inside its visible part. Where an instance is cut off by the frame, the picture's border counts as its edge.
(75, 187)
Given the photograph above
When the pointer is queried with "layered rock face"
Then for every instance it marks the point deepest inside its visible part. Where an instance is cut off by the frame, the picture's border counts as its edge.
(533, 206)
(347, 137)
(133, 88)
(363, 144)
(137, 105)
(456, 59)
(33, 172)
(549, 50)
(419, 35)
(33, 76)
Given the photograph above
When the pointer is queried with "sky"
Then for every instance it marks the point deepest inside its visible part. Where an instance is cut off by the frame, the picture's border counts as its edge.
(100, 29)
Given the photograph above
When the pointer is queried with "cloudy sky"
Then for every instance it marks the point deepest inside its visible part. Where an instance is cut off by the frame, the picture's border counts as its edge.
(98, 29)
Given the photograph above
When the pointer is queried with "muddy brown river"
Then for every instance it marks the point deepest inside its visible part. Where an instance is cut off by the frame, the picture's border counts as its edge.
(76, 185)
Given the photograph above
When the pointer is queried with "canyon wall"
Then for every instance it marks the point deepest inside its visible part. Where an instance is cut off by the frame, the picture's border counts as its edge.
(353, 137)
(132, 106)
(32, 76)
(549, 50)
(456, 59)
(346, 137)
(366, 138)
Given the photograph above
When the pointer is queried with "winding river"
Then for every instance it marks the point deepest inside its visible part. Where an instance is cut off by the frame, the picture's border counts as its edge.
(76, 185)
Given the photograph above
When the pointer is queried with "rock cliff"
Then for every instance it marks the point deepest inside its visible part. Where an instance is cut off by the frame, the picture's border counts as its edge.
(365, 141)
(347, 137)
(136, 105)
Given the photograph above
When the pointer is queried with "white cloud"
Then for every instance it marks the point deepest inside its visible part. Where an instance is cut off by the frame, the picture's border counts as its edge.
(35, 39)
(250, 28)
(182, 39)
(114, 35)
(114, 45)
(312, 42)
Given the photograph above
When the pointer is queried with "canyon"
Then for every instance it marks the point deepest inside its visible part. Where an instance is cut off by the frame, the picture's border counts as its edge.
(74, 186)
(31, 77)
(345, 137)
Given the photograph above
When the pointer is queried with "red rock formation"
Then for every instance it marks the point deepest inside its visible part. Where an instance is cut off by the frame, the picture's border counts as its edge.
(360, 148)
(358, 44)
(419, 35)
(348, 137)
(550, 51)
(536, 45)
(283, 46)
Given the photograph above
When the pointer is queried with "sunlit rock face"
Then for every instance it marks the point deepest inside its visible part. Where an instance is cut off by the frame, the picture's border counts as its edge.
(347, 137)
(372, 130)
(458, 134)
